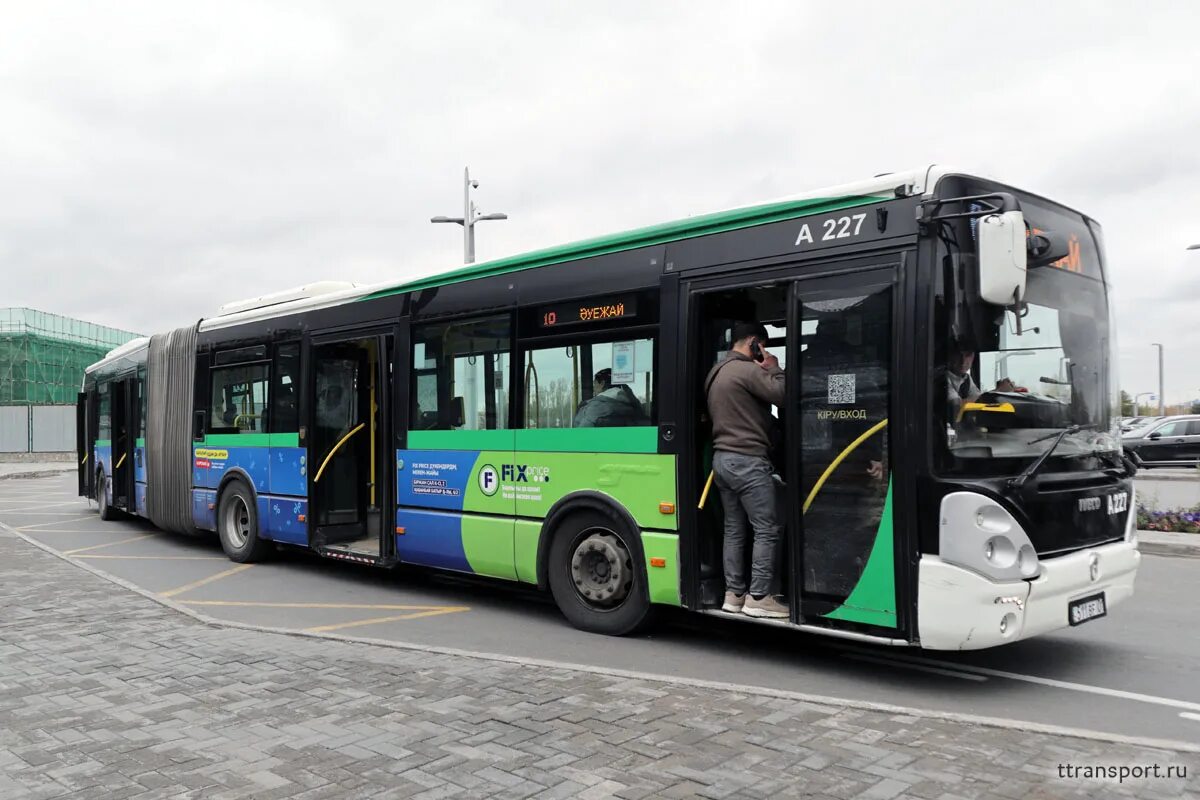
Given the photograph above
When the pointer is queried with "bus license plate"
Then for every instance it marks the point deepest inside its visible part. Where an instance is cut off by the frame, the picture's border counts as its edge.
(1086, 608)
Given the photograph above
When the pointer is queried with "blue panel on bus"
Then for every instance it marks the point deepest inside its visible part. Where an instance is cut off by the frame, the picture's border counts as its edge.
(434, 478)
(254, 461)
(432, 539)
(139, 464)
(203, 517)
(289, 471)
(281, 519)
(139, 499)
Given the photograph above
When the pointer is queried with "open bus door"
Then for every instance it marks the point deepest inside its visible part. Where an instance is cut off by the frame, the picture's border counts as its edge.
(348, 437)
(123, 445)
(83, 445)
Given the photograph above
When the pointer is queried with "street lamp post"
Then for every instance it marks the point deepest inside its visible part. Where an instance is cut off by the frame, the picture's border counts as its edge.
(469, 217)
(1137, 406)
(1161, 401)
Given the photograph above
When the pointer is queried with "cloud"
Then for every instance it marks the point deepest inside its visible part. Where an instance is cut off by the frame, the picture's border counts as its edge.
(162, 160)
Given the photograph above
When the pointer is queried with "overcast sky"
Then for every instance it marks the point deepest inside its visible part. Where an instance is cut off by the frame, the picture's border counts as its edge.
(162, 158)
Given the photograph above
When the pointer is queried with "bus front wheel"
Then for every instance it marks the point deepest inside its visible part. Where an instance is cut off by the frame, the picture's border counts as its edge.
(106, 511)
(237, 525)
(596, 574)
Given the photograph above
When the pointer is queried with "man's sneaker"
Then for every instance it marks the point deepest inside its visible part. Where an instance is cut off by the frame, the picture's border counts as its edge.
(733, 602)
(767, 608)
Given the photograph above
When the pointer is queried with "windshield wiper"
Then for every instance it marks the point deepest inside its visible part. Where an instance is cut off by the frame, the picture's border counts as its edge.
(1018, 482)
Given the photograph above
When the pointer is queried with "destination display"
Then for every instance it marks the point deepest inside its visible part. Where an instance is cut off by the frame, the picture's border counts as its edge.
(582, 312)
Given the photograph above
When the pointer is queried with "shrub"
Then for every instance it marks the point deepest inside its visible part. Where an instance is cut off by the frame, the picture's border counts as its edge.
(1177, 520)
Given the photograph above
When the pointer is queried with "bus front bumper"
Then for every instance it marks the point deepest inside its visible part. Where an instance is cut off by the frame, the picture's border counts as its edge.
(958, 609)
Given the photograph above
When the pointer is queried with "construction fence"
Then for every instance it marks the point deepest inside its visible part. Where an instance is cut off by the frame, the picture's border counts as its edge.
(37, 429)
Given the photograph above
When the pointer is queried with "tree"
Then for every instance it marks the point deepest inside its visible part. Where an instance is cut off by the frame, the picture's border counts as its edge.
(1127, 409)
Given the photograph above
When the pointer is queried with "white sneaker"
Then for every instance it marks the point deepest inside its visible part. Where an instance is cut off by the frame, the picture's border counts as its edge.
(733, 602)
(767, 608)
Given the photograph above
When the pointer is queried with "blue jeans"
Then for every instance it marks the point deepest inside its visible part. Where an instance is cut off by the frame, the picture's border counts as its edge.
(748, 493)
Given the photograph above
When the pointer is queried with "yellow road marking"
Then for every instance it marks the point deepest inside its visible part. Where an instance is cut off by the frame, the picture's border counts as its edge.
(161, 558)
(205, 581)
(56, 522)
(107, 544)
(377, 620)
(369, 606)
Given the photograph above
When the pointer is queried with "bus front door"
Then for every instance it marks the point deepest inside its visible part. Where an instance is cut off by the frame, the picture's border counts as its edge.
(123, 434)
(346, 440)
(843, 548)
(82, 444)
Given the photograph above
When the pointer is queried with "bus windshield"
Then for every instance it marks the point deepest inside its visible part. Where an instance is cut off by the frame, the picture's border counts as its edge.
(1014, 378)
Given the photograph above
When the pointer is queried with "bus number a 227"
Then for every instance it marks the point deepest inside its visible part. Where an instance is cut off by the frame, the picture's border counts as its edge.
(830, 229)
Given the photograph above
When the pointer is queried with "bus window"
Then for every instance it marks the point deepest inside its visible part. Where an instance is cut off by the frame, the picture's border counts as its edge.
(105, 426)
(285, 393)
(239, 397)
(460, 375)
(601, 385)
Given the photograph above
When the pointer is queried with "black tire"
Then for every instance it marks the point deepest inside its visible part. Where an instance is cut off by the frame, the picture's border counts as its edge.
(107, 512)
(619, 602)
(237, 525)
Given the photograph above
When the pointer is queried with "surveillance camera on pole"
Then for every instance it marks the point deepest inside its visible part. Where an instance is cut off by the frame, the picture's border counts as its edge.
(469, 217)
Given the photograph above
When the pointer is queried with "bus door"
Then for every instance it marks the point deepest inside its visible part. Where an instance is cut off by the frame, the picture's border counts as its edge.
(82, 444)
(347, 438)
(123, 441)
(839, 424)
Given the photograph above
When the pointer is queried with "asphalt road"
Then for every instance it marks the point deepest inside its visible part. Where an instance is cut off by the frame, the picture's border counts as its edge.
(1162, 489)
(1135, 673)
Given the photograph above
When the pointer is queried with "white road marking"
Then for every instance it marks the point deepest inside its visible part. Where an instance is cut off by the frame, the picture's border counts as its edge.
(887, 662)
(1120, 694)
(1190, 715)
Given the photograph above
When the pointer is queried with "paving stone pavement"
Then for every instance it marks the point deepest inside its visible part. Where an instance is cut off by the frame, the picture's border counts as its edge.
(107, 694)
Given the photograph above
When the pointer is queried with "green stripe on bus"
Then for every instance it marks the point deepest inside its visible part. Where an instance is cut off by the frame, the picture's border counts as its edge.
(589, 440)
(139, 442)
(250, 440)
(104, 443)
(873, 599)
(642, 237)
(460, 440)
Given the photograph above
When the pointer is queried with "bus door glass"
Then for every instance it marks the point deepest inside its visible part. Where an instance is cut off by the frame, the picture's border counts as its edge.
(837, 433)
(339, 442)
(82, 444)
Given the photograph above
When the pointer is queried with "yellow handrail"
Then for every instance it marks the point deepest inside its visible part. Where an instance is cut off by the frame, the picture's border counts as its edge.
(325, 463)
(841, 457)
(707, 485)
(85, 458)
(120, 461)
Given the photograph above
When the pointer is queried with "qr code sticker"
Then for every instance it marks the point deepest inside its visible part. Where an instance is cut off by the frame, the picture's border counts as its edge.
(841, 389)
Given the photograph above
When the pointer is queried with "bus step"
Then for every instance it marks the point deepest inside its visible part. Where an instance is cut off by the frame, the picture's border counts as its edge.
(342, 553)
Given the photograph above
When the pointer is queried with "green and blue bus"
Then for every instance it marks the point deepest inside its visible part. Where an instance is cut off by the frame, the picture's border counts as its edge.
(541, 418)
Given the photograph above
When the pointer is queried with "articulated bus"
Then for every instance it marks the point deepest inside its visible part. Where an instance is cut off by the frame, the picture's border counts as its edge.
(541, 418)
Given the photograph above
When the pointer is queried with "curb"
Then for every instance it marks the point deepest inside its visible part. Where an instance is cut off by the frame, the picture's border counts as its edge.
(45, 473)
(669, 680)
(1169, 548)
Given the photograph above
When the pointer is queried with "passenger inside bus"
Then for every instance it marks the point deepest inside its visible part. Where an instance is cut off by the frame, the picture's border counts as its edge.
(610, 406)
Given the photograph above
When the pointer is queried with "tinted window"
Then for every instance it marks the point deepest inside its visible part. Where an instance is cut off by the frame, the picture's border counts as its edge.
(460, 375)
(1176, 428)
(239, 398)
(599, 385)
(285, 392)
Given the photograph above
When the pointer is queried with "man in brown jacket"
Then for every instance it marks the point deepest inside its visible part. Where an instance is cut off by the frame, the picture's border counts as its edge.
(740, 391)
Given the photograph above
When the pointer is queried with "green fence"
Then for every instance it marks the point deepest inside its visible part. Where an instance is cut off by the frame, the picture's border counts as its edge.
(43, 356)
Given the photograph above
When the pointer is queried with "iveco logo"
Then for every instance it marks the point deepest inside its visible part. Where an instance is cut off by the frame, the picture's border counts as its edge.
(1094, 566)
(1089, 504)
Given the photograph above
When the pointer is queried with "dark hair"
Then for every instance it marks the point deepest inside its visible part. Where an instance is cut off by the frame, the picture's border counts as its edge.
(604, 376)
(744, 330)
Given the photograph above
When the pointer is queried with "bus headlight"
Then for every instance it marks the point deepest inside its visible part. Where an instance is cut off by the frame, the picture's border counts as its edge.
(979, 534)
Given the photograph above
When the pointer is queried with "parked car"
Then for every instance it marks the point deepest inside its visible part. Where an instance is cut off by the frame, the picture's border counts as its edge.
(1166, 442)
(1131, 424)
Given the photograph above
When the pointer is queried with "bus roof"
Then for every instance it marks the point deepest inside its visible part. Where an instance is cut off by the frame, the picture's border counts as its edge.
(880, 187)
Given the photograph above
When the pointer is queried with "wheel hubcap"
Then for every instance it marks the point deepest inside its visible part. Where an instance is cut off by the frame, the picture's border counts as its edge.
(602, 569)
(237, 522)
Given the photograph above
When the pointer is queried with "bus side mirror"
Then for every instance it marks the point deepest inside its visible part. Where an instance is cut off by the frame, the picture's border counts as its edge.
(1002, 258)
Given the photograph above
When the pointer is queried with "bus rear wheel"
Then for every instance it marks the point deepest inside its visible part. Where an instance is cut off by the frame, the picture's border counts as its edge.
(106, 511)
(596, 574)
(237, 525)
